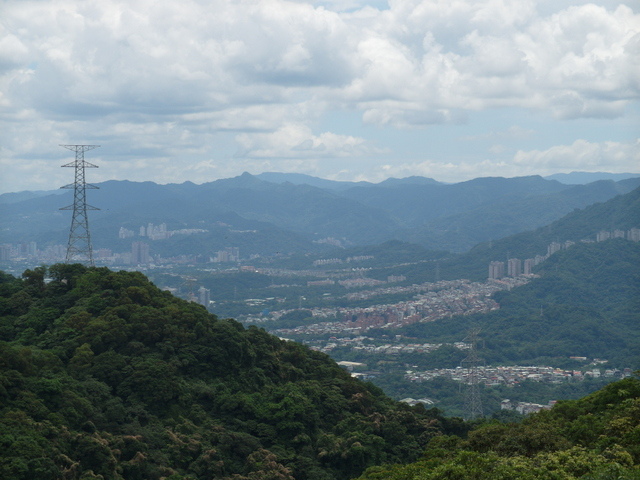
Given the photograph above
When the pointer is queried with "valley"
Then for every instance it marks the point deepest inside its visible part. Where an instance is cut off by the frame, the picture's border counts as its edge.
(324, 361)
(397, 311)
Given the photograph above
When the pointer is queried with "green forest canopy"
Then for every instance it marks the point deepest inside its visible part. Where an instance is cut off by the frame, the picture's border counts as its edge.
(594, 438)
(103, 375)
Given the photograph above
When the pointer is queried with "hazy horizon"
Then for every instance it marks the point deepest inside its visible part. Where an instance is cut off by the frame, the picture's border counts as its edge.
(599, 175)
(347, 90)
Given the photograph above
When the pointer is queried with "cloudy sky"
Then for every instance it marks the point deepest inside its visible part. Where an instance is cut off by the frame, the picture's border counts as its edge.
(343, 89)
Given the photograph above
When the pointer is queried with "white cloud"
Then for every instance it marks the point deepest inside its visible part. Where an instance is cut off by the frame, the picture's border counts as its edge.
(582, 155)
(180, 57)
(297, 141)
(12, 51)
(514, 132)
(168, 80)
(580, 62)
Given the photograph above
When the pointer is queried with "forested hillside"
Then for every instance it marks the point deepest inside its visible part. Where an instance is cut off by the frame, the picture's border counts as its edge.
(620, 212)
(594, 438)
(586, 303)
(102, 375)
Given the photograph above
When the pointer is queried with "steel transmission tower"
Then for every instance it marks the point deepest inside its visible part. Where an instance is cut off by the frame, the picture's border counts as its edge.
(472, 400)
(79, 246)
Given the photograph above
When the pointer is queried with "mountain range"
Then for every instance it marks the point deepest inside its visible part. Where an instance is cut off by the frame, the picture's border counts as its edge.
(272, 212)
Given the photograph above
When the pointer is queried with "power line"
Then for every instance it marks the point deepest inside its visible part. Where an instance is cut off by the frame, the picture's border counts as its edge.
(79, 246)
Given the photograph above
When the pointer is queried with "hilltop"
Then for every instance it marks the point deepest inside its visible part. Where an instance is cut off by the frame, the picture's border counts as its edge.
(106, 376)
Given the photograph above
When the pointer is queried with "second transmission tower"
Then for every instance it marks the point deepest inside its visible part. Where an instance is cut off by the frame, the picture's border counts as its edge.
(473, 400)
(79, 246)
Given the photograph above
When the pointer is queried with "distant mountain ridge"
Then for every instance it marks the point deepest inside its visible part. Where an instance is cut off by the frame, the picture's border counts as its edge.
(15, 197)
(302, 179)
(299, 178)
(420, 210)
(582, 178)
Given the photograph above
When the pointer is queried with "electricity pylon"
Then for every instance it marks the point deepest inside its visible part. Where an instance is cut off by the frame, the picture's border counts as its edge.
(472, 400)
(79, 246)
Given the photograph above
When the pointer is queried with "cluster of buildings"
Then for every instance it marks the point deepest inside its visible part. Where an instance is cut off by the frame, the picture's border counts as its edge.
(525, 408)
(326, 261)
(366, 345)
(330, 241)
(29, 250)
(157, 232)
(339, 261)
(404, 290)
(632, 235)
(358, 282)
(458, 297)
(515, 267)
(229, 254)
(512, 375)
(139, 255)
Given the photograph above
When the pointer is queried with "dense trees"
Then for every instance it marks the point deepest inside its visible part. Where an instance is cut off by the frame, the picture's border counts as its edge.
(102, 374)
(595, 438)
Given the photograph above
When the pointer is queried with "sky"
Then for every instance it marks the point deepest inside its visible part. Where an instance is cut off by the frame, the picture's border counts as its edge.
(198, 90)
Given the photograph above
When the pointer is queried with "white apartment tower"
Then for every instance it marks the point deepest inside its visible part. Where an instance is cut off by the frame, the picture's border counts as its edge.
(514, 267)
(139, 253)
(528, 266)
(496, 270)
(204, 296)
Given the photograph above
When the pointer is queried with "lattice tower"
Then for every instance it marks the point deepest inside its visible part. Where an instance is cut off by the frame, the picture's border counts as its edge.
(79, 247)
(472, 397)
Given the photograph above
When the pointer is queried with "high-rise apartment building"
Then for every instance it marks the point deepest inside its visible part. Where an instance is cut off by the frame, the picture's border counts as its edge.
(514, 267)
(553, 248)
(204, 296)
(528, 266)
(125, 233)
(496, 270)
(139, 253)
(229, 254)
